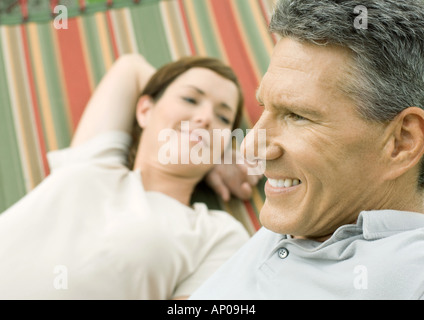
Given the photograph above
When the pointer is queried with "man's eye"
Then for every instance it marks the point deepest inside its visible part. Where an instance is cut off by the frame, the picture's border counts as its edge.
(295, 117)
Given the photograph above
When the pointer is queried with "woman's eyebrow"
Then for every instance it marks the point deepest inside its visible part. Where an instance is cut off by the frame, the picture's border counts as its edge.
(197, 89)
(201, 92)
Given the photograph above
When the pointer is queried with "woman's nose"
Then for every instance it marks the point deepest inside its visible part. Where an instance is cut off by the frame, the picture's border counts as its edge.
(203, 116)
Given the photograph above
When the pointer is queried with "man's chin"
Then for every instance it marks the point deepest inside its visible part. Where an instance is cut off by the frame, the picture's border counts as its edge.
(278, 220)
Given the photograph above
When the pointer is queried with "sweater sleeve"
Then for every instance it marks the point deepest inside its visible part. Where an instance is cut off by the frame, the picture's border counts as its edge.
(111, 147)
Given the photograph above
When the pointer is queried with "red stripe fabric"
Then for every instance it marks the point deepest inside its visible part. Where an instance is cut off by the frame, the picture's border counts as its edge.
(74, 68)
(24, 9)
(237, 55)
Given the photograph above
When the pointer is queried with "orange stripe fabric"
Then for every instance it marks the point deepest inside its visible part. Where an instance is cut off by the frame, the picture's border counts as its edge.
(34, 101)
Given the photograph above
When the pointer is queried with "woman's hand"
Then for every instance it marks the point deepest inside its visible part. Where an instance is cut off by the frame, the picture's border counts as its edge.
(233, 179)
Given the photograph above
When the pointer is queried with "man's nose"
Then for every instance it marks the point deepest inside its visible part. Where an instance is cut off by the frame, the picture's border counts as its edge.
(259, 145)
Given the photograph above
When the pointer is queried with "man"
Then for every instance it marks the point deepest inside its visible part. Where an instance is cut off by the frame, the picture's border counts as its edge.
(343, 112)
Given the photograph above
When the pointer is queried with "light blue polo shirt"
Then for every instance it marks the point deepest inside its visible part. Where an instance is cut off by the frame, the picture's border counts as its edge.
(379, 257)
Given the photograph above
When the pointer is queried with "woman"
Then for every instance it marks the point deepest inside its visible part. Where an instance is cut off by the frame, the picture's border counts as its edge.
(95, 229)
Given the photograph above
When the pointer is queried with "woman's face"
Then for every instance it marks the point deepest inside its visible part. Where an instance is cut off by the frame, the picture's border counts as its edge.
(190, 125)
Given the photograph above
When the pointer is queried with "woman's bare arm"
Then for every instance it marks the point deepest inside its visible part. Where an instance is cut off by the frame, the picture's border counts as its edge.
(113, 104)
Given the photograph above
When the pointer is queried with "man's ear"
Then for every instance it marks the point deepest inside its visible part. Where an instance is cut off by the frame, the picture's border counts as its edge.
(406, 144)
(144, 106)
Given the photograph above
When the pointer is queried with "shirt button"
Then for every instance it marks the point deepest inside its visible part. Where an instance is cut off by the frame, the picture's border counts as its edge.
(283, 253)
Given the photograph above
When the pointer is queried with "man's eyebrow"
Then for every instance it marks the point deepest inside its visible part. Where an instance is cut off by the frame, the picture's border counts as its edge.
(201, 92)
(303, 110)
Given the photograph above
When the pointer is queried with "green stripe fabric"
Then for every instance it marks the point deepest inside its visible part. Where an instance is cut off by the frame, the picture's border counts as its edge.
(97, 65)
(256, 40)
(153, 45)
(12, 179)
(206, 29)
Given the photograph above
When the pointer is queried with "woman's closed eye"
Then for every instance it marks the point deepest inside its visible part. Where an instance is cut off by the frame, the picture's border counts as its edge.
(189, 100)
(224, 119)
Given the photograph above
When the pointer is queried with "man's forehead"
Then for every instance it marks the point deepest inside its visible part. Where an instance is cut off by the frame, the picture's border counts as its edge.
(306, 64)
(289, 54)
(288, 80)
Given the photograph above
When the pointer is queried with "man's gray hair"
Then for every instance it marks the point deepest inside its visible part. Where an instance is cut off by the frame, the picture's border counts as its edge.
(387, 73)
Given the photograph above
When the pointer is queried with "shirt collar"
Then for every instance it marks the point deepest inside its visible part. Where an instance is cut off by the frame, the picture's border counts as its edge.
(371, 225)
(385, 223)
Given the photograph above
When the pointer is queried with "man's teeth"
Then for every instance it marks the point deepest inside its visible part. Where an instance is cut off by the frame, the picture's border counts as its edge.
(283, 183)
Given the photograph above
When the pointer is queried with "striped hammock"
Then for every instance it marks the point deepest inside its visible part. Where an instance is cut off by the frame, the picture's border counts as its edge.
(47, 74)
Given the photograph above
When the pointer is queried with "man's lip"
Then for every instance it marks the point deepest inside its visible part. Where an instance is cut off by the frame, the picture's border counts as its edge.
(279, 177)
(275, 191)
(285, 183)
